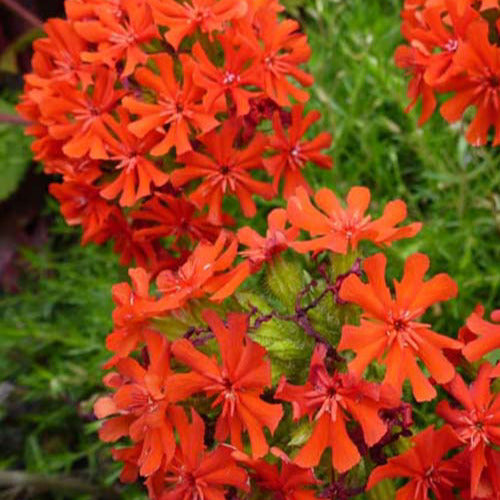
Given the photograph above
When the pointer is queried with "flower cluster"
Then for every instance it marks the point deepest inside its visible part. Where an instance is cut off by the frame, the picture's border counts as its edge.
(261, 418)
(454, 46)
(152, 113)
(300, 385)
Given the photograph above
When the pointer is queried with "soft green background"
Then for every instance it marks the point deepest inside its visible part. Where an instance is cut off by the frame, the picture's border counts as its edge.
(52, 333)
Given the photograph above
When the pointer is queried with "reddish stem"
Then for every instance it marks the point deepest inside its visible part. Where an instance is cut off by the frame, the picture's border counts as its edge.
(23, 12)
(13, 119)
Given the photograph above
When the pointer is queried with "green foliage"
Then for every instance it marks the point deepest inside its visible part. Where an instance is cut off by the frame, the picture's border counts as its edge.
(15, 154)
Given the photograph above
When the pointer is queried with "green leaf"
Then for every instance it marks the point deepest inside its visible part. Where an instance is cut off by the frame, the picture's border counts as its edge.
(15, 154)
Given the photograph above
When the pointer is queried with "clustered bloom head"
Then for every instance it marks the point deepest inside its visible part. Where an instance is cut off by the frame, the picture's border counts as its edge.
(149, 110)
(454, 46)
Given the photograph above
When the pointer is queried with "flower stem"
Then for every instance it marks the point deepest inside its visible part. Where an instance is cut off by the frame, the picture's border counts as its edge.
(23, 13)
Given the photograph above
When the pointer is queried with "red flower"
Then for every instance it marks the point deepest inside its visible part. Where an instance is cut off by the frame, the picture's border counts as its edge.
(339, 228)
(488, 335)
(229, 79)
(288, 482)
(237, 384)
(194, 474)
(224, 169)
(134, 309)
(168, 216)
(206, 271)
(177, 107)
(439, 37)
(137, 172)
(143, 407)
(78, 119)
(423, 465)
(331, 400)
(479, 86)
(263, 249)
(81, 203)
(183, 19)
(281, 48)
(119, 37)
(416, 62)
(57, 57)
(389, 330)
(292, 153)
(478, 424)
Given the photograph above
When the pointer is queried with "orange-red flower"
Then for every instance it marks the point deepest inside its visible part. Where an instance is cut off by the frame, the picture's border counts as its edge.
(423, 465)
(121, 38)
(183, 19)
(278, 238)
(165, 215)
(415, 63)
(224, 169)
(81, 203)
(134, 309)
(479, 86)
(78, 119)
(281, 48)
(230, 79)
(177, 109)
(331, 401)
(194, 473)
(292, 153)
(342, 229)
(478, 424)
(487, 335)
(288, 482)
(207, 271)
(237, 384)
(137, 173)
(142, 405)
(389, 330)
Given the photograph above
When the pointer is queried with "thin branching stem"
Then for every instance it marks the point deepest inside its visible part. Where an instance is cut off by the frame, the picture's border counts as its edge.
(23, 13)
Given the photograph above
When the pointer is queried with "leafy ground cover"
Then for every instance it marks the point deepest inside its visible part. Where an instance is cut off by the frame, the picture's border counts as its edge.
(52, 332)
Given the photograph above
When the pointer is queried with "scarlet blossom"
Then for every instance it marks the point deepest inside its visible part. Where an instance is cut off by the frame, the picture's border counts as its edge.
(278, 238)
(57, 57)
(442, 33)
(207, 271)
(285, 482)
(142, 406)
(230, 79)
(478, 423)
(77, 10)
(183, 19)
(331, 401)
(237, 383)
(281, 48)
(137, 173)
(78, 119)
(129, 456)
(415, 63)
(424, 465)
(389, 331)
(177, 109)
(486, 335)
(166, 215)
(195, 473)
(292, 153)
(81, 203)
(134, 308)
(479, 86)
(223, 170)
(119, 38)
(340, 229)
